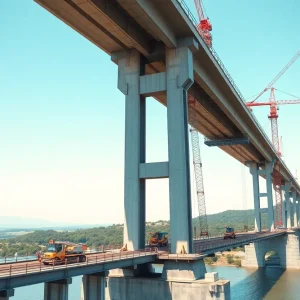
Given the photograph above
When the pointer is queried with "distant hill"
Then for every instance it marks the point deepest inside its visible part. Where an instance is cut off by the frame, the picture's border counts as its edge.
(113, 234)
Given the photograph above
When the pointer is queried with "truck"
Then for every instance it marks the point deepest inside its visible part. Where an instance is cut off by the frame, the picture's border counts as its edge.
(229, 233)
(62, 252)
(158, 239)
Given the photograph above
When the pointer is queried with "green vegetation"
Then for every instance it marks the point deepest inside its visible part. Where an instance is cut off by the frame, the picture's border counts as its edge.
(112, 235)
(237, 262)
(229, 258)
(210, 260)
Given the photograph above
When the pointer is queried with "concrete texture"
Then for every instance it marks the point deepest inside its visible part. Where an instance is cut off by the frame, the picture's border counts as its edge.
(269, 187)
(159, 289)
(93, 287)
(4, 295)
(183, 270)
(57, 290)
(179, 78)
(130, 69)
(286, 246)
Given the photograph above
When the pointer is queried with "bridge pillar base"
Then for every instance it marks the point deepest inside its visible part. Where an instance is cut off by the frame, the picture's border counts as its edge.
(93, 286)
(4, 295)
(183, 270)
(57, 290)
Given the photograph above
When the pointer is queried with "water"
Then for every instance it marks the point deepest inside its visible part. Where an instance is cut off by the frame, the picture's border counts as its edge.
(247, 284)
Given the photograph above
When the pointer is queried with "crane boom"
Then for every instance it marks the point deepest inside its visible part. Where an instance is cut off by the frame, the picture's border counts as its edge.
(278, 76)
(278, 102)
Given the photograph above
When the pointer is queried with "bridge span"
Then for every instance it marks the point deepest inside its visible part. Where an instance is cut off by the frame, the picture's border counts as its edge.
(160, 54)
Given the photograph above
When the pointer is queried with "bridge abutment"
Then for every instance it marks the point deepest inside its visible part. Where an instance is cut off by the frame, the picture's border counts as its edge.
(286, 246)
(57, 290)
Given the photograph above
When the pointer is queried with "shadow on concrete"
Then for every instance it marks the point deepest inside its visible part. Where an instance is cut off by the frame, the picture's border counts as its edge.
(257, 284)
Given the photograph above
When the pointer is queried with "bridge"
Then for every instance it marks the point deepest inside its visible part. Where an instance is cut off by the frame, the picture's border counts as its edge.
(168, 60)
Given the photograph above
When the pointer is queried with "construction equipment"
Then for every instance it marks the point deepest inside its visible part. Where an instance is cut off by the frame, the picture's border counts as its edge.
(63, 252)
(229, 233)
(204, 29)
(158, 239)
(273, 116)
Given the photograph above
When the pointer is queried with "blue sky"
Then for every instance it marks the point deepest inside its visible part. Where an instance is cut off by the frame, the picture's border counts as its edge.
(62, 116)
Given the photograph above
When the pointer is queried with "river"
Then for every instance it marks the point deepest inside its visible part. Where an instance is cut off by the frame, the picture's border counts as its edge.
(268, 283)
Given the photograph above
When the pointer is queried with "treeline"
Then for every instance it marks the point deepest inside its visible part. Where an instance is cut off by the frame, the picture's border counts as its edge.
(113, 235)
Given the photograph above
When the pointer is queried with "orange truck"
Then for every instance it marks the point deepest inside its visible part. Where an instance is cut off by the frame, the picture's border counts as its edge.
(229, 233)
(62, 252)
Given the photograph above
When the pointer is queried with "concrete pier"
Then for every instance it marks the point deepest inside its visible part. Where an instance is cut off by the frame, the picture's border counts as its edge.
(57, 290)
(93, 286)
(4, 295)
(181, 279)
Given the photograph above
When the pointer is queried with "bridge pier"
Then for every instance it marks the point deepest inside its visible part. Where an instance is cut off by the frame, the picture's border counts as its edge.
(287, 210)
(136, 86)
(182, 278)
(4, 295)
(286, 246)
(255, 171)
(93, 286)
(57, 290)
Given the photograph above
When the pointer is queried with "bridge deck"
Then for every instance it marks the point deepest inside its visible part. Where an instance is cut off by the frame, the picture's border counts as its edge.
(28, 273)
(148, 27)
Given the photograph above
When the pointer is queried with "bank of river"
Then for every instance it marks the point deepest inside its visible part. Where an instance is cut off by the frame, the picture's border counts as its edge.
(247, 284)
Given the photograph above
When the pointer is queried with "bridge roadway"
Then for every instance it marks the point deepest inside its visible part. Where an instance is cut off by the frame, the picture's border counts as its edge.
(13, 275)
(149, 27)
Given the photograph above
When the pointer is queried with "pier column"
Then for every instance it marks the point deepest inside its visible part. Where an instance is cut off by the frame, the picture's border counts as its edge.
(254, 172)
(287, 187)
(269, 169)
(130, 68)
(298, 210)
(4, 295)
(294, 194)
(57, 290)
(93, 286)
(179, 77)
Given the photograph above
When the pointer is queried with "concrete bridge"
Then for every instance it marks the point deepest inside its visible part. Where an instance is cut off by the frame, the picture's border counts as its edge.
(167, 59)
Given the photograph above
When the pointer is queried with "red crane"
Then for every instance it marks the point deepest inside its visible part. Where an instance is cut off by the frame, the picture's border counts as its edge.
(273, 116)
(204, 27)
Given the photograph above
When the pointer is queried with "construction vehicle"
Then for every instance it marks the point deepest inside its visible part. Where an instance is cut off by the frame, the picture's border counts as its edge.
(229, 233)
(158, 239)
(62, 252)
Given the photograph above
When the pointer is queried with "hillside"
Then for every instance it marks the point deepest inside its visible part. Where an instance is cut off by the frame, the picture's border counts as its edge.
(112, 235)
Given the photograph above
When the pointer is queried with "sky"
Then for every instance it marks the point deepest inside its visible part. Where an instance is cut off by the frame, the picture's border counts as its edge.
(62, 116)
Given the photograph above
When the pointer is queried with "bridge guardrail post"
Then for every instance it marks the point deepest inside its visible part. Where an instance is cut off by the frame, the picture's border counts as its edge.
(10, 270)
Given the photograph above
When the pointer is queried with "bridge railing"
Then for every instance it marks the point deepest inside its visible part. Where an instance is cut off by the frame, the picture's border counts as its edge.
(35, 267)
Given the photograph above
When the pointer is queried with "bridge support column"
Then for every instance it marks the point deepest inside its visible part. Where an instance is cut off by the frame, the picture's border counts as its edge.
(287, 210)
(4, 295)
(298, 210)
(269, 169)
(295, 221)
(131, 67)
(57, 290)
(179, 75)
(93, 286)
(254, 172)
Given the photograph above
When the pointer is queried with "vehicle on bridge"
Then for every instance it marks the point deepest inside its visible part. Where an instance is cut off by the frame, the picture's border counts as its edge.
(158, 239)
(62, 252)
(229, 233)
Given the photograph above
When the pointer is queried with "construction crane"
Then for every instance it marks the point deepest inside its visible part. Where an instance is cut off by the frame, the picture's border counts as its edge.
(273, 116)
(204, 29)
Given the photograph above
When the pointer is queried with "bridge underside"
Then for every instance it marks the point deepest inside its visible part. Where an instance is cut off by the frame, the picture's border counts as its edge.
(118, 25)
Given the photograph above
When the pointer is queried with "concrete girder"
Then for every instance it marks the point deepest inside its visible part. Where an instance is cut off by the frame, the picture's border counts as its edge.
(146, 11)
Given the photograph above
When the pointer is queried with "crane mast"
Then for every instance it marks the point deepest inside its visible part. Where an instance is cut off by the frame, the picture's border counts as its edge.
(204, 29)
